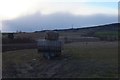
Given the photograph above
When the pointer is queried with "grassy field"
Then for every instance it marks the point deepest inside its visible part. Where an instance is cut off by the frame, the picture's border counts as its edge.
(81, 60)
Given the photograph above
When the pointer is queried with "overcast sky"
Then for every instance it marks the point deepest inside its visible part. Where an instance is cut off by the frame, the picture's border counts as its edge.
(32, 15)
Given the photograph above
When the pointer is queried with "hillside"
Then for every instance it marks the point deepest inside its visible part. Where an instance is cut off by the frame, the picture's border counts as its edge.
(100, 28)
(107, 32)
(106, 27)
(104, 32)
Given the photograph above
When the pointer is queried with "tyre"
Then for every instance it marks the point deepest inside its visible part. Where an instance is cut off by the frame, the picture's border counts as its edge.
(47, 56)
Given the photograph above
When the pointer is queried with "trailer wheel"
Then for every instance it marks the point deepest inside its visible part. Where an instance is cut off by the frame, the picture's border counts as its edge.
(47, 56)
(58, 54)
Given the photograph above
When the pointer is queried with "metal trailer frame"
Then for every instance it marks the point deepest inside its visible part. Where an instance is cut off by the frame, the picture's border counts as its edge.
(50, 49)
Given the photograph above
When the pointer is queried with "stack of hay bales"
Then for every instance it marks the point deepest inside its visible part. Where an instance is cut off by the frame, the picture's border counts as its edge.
(51, 46)
(51, 35)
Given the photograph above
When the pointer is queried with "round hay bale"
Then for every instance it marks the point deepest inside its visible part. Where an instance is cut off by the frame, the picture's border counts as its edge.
(51, 35)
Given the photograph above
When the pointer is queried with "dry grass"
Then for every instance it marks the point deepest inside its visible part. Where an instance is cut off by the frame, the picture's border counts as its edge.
(93, 59)
(98, 51)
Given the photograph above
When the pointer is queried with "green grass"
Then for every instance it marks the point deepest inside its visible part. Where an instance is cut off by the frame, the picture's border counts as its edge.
(107, 33)
(100, 54)
(108, 52)
(110, 34)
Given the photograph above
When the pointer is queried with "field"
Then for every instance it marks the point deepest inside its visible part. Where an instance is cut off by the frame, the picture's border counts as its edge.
(88, 53)
(78, 59)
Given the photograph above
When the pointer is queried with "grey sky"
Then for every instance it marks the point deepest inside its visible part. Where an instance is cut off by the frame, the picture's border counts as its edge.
(38, 21)
(35, 15)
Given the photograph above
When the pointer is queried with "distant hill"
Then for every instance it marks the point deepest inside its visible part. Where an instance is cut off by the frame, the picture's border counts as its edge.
(91, 31)
(107, 27)
(103, 32)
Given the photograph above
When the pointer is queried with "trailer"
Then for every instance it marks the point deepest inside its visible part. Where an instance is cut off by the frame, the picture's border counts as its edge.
(51, 46)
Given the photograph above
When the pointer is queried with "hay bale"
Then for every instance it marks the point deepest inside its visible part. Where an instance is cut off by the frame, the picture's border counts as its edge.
(51, 35)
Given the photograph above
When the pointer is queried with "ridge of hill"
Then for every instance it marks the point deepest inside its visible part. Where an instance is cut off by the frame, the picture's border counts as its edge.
(106, 27)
